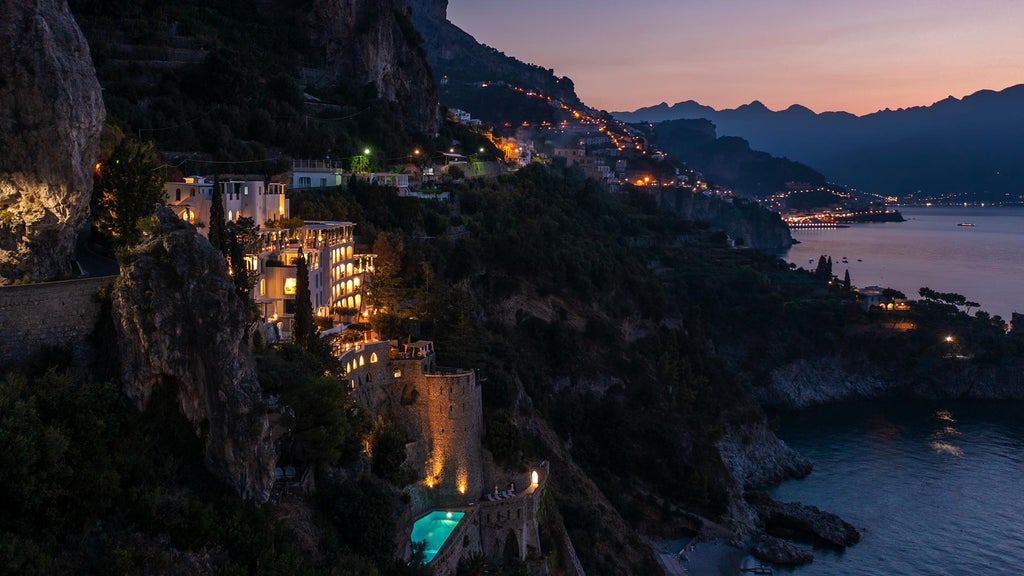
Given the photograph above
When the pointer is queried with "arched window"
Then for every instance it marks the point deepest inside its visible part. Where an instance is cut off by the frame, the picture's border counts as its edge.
(177, 194)
(373, 358)
(362, 361)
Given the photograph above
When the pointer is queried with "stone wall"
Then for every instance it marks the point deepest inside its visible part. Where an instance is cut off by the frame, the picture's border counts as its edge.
(36, 317)
(508, 526)
(449, 406)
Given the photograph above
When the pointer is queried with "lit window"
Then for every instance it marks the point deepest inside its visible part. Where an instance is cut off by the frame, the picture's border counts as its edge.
(289, 286)
(373, 358)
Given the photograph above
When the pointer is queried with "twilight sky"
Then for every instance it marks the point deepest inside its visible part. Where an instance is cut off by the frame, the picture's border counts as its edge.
(859, 56)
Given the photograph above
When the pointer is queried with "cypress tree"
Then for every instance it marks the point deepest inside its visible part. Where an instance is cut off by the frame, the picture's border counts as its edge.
(217, 234)
(303, 329)
(822, 269)
(846, 279)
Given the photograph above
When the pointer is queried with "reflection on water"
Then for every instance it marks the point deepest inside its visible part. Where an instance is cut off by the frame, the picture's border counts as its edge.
(934, 488)
(940, 438)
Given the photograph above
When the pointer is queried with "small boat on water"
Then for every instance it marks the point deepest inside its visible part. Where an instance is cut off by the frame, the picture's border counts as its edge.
(967, 224)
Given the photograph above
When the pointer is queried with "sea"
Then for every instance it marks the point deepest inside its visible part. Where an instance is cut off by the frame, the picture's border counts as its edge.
(935, 488)
(984, 262)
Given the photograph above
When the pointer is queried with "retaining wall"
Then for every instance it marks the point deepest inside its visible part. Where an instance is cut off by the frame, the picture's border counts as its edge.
(35, 317)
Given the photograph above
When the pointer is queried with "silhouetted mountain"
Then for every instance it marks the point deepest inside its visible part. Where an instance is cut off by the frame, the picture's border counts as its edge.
(459, 60)
(973, 145)
(729, 160)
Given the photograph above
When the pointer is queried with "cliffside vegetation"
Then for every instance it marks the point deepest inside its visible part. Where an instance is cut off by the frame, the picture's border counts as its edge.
(617, 341)
(231, 81)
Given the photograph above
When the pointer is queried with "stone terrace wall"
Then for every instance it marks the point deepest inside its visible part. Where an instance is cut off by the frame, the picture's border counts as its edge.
(35, 317)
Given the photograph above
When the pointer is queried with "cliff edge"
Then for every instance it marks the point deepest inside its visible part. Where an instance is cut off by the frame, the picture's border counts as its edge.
(180, 324)
(51, 114)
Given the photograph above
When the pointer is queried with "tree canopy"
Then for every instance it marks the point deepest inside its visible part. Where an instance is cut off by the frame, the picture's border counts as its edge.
(130, 185)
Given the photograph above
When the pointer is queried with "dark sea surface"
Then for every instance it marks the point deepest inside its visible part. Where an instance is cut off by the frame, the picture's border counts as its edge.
(936, 488)
(984, 262)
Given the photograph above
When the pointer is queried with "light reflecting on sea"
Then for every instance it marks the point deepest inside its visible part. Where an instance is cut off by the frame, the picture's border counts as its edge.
(984, 262)
(934, 488)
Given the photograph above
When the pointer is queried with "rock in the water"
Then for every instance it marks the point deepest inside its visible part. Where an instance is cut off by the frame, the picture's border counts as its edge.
(779, 551)
(792, 519)
(181, 324)
(51, 115)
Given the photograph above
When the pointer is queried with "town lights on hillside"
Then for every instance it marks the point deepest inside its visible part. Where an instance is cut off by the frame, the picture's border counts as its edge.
(949, 338)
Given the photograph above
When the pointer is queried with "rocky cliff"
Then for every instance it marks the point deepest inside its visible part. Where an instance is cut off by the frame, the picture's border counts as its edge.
(180, 324)
(806, 383)
(51, 114)
(433, 9)
(747, 223)
(756, 458)
(374, 41)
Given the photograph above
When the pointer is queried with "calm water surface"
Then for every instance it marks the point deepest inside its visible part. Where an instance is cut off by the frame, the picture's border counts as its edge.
(934, 488)
(985, 262)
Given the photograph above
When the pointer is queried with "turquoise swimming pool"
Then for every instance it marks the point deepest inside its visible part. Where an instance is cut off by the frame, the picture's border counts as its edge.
(434, 529)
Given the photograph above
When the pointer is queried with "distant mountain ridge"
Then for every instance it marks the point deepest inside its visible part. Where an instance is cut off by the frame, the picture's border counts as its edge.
(973, 145)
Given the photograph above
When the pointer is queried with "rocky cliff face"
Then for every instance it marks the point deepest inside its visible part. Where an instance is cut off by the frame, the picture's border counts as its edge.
(51, 114)
(181, 325)
(374, 41)
(812, 382)
(756, 458)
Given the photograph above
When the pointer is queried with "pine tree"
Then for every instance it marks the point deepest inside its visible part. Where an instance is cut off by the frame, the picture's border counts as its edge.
(303, 329)
(217, 235)
(130, 185)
